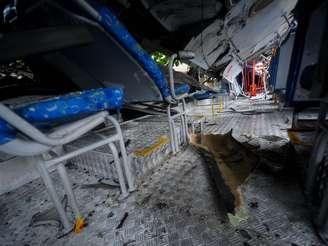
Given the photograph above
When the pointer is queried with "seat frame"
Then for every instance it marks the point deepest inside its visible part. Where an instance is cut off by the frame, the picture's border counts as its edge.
(40, 145)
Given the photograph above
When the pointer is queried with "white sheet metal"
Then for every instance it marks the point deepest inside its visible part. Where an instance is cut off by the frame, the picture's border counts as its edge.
(243, 33)
(232, 70)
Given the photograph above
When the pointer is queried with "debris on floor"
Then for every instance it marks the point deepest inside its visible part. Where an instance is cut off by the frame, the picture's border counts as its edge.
(49, 216)
(234, 165)
(122, 220)
(101, 184)
(177, 202)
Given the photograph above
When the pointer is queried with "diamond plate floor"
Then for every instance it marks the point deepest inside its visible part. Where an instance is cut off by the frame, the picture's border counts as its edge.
(176, 204)
(251, 118)
(273, 123)
(138, 134)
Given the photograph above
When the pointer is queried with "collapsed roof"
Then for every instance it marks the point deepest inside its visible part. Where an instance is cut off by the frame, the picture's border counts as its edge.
(249, 28)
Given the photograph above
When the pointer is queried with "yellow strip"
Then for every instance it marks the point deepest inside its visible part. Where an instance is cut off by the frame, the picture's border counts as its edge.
(147, 151)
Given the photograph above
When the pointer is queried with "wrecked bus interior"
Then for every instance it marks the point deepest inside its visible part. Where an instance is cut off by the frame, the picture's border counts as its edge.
(144, 122)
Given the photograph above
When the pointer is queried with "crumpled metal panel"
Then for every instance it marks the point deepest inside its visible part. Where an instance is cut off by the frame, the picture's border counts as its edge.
(242, 33)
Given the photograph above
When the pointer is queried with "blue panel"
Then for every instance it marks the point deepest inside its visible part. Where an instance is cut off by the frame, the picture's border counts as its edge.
(64, 108)
(112, 24)
(182, 89)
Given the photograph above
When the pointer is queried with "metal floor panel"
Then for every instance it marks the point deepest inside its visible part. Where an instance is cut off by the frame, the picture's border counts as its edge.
(138, 134)
(175, 204)
(271, 123)
(229, 106)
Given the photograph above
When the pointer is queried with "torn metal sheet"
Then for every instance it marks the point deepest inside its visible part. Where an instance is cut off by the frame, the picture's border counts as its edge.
(232, 70)
(230, 74)
(249, 27)
(208, 46)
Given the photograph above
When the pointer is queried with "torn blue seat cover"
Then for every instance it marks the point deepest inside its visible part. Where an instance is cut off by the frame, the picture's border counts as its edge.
(113, 25)
(62, 109)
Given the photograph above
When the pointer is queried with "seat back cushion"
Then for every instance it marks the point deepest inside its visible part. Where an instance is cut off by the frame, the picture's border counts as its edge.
(113, 25)
(62, 109)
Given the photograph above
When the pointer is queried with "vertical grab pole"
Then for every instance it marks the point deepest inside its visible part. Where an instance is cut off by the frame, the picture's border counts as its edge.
(172, 141)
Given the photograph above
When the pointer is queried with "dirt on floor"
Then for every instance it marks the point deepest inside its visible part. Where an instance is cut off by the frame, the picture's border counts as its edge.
(231, 163)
